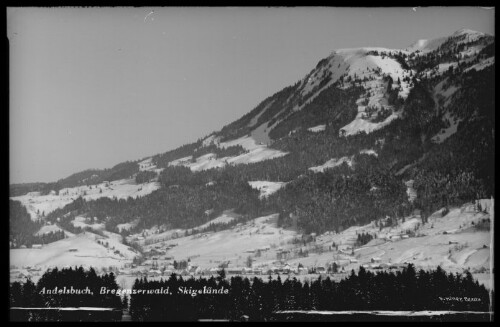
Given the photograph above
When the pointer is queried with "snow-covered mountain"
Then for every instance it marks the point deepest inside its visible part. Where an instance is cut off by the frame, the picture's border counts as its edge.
(369, 137)
(371, 67)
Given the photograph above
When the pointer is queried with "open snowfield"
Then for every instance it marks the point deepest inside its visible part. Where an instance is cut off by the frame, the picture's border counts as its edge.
(257, 152)
(222, 219)
(127, 226)
(209, 249)
(84, 222)
(48, 229)
(37, 204)
(370, 152)
(426, 45)
(148, 165)
(332, 163)
(266, 188)
(359, 124)
(88, 252)
(317, 129)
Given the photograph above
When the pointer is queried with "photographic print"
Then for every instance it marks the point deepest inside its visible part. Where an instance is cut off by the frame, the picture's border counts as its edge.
(251, 164)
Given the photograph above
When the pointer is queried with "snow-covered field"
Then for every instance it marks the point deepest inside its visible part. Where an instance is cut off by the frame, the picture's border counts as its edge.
(84, 222)
(316, 129)
(148, 165)
(256, 153)
(48, 229)
(209, 249)
(81, 249)
(332, 163)
(370, 152)
(426, 45)
(127, 226)
(37, 204)
(266, 188)
(222, 219)
(359, 124)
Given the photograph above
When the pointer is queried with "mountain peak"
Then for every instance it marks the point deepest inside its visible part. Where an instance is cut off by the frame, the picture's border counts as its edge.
(425, 45)
(466, 31)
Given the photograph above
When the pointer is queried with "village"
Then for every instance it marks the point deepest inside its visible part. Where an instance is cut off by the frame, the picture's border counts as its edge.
(258, 248)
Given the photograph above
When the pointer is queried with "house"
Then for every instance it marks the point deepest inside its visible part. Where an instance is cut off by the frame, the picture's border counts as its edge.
(214, 270)
(320, 269)
(353, 260)
(234, 271)
(302, 271)
(376, 260)
(154, 273)
(343, 262)
(194, 269)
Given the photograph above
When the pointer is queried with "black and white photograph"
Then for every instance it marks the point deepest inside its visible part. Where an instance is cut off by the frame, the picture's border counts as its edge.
(259, 164)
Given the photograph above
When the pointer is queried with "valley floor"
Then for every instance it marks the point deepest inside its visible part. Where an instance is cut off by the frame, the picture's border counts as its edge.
(454, 241)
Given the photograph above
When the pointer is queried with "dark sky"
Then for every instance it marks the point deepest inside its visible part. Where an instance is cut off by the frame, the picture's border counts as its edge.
(94, 87)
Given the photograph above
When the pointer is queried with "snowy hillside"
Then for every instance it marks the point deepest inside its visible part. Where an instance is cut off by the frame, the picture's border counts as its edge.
(266, 188)
(426, 45)
(81, 249)
(332, 163)
(256, 153)
(41, 205)
(451, 241)
(371, 67)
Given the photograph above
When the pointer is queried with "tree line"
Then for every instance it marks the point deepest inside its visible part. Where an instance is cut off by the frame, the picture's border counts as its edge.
(408, 290)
